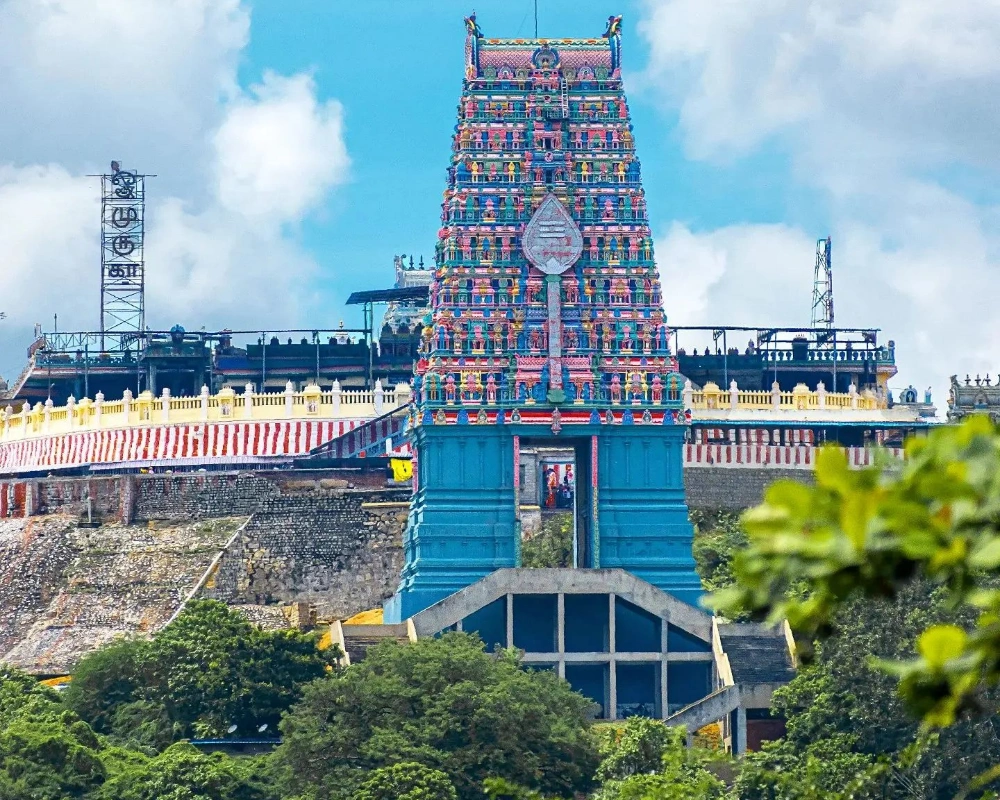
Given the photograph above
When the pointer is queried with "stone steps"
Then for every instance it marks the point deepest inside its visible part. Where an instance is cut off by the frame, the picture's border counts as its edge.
(358, 641)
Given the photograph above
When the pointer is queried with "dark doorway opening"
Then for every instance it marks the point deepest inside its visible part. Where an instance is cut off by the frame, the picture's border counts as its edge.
(557, 476)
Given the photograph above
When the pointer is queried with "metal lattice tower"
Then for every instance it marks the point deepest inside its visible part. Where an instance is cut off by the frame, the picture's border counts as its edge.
(822, 307)
(123, 269)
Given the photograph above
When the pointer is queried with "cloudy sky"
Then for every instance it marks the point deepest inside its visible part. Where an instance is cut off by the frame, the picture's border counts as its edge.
(299, 144)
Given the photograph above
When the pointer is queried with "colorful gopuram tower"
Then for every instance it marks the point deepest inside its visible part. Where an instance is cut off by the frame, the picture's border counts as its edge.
(547, 327)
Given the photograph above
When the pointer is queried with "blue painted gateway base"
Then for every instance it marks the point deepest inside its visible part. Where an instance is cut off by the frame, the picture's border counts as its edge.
(630, 509)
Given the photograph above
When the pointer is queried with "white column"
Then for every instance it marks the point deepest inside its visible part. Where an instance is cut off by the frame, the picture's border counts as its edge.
(47, 415)
(204, 403)
(821, 394)
(289, 396)
(776, 396)
(853, 392)
(337, 393)
(687, 395)
(98, 405)
(734, 395)
(379, 395)
(165, 405)
(248, 401)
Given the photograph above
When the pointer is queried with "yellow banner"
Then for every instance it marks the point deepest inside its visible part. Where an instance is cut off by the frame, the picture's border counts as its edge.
(402, 469)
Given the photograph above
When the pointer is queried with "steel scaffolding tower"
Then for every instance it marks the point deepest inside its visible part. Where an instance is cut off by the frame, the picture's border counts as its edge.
(822, 307)
(123, 269)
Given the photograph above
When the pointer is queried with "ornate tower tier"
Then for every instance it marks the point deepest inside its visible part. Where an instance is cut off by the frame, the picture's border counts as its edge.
(546, 321)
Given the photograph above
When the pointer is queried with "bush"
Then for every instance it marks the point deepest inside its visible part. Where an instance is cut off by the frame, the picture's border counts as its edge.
(444, 703)
(406, 781)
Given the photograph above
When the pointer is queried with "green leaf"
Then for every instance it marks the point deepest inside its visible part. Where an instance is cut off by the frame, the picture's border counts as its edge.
(832, 469)
(941, 643)
(987, 556)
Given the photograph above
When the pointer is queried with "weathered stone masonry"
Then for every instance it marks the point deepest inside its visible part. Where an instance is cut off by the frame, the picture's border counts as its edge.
(338, 549)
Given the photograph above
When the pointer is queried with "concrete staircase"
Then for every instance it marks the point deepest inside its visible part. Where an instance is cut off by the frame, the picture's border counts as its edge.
(707, 710)
(761, 657)
(356, 639)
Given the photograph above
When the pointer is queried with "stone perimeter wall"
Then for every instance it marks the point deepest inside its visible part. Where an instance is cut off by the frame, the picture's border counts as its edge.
(331, 539)
(712, 489)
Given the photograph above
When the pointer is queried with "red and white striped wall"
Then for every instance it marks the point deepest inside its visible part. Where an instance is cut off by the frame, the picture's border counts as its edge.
(780, 456)
(222, 442)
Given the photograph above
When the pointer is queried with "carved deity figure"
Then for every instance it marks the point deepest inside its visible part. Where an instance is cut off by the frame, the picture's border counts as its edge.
(616, 389)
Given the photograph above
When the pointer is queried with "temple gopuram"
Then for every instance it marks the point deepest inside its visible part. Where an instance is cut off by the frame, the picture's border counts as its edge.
(547, 330)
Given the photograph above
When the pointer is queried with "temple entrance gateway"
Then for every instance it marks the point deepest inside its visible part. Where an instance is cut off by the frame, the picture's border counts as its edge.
(546, 330)
(546, 389)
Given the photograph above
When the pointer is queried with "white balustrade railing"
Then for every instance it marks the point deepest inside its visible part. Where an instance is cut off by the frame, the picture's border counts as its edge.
(143, 410)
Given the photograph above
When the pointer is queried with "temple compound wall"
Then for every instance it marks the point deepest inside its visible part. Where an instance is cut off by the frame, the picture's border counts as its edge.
(97, 558)
(331, 539)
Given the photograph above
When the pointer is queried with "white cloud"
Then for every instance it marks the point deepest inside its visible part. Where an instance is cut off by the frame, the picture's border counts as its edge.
(279, 150)
(765, 262)
(153, 84)
(876, 104)
(47, 223)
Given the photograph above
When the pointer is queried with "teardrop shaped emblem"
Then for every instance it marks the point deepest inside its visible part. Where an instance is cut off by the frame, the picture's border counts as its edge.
(552, 241)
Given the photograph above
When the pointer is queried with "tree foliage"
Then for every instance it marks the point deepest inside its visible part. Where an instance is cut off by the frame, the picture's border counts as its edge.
(182, 773)
(444, 703)
(552, 544)
(206, 671)
(406, 781)
(717, 539)
(643, 759)
(870, 531)
(848, 733)
(895, 571)
(46, 751)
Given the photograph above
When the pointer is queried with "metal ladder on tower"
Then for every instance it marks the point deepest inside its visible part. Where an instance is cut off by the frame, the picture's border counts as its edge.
(564, 96)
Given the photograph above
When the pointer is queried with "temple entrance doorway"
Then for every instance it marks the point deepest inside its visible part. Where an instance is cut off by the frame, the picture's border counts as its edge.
(556, 502)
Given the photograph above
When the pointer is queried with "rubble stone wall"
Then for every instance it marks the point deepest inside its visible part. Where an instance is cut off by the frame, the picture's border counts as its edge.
(338, 549)
(712, 489)
(332, 539)
(66, 590)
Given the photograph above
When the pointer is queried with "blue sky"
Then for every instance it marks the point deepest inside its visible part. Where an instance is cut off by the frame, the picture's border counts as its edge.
(300, 144)
(400, 92)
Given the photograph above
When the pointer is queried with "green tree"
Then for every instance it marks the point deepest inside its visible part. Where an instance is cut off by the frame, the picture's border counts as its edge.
(182, 773)
(643, 759)
(444, 703)
(717, 539)
(502, 789)
(634, 747)
(406, 781)
(552, 545)
(46, 751)
(206, 671)
(848, 733)
(869, 533)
